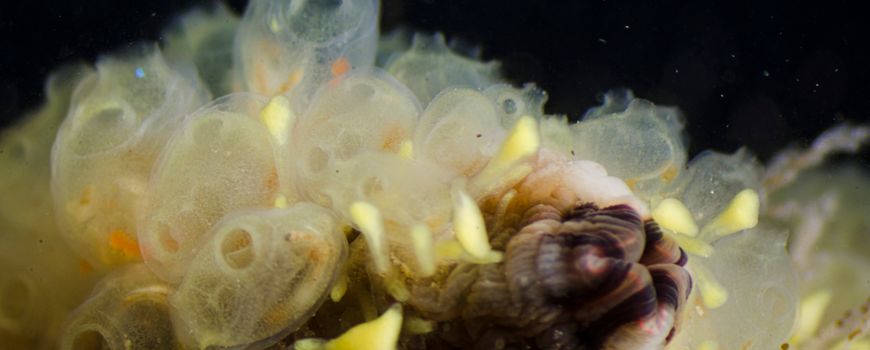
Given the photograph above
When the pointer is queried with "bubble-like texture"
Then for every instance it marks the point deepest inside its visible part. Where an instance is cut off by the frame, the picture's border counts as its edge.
(359, 113)
(293, 47)
(220, 160)
(460, 130)
(429, 67)
(127, 310)
(287, 257)
(634, 139)
(760, 311)
(119, 119)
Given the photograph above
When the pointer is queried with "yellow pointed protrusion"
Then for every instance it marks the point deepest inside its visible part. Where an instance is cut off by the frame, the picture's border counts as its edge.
(522, 142)
(379, 334)
(673, 215)
(369, 221)
(339, 289)
(278, 117)
(406, 149)
(281, 202)
(468, 225)
(396, 288)
(693, 246)
(713, 294)
(424, 249)
(741, 214)
(811, 310)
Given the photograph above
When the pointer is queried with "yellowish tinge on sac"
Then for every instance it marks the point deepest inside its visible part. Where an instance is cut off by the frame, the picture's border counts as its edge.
(673, 215)
(370, 222)
(277, 116)
(713, 294)
(693, 246)
(406, 149)
(741, 214)
(424, 249)
(812, 309)
(708, 345)
(522, 142)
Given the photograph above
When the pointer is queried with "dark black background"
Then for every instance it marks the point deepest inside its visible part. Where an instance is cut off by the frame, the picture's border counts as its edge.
(759, 73)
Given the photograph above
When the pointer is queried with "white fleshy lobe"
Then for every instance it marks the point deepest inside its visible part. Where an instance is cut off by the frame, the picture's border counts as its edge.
(581, 179)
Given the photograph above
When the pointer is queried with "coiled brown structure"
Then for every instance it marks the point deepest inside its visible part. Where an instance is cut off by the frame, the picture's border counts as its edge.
(591, 278)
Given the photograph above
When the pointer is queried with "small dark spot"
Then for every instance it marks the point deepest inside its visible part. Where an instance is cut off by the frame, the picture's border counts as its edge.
(784, 346)
(288, 237)
(509, 106)
(479, 135)
(41, 241)
(336, 171)
(572, 152)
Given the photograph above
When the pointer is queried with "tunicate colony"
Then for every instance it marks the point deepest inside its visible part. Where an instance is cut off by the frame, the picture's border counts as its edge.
(292, 179)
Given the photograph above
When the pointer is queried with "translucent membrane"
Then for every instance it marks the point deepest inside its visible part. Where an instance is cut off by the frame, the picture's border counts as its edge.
(119, 120)
(293, 47)
(127, 310)
(288, 258)
(219, 161)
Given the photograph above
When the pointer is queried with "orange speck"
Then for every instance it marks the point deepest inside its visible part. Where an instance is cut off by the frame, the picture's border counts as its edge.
(340, 66)
(631, 183)
(293, 79)
(272, 180)
(122, 242)
(85, 267)
(392, 138)
(670, 173)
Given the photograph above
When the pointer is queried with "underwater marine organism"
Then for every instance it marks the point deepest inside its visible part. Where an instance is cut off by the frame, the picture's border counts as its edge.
(284, 180)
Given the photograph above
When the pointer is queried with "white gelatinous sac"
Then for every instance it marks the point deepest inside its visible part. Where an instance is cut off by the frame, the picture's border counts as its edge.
(293, 47)
(127, 310)
(459, 131)
(744, 291)
(429, 66)
(634, 140)
(119, 120)
(221, 160)
(363, 111)
(259, 276)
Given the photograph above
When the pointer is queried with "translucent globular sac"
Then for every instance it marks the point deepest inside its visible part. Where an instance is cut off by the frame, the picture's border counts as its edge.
(293, 47)
(128, 309)
(119, 120)
(220, 160)
(288, 258)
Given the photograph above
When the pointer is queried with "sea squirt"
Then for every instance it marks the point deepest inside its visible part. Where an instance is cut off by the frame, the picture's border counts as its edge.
(317, 189)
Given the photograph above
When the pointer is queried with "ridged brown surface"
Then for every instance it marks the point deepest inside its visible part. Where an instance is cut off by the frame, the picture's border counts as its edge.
(590, 278)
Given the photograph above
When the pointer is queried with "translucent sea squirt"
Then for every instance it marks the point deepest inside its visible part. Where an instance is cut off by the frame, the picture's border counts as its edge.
(298, 194)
